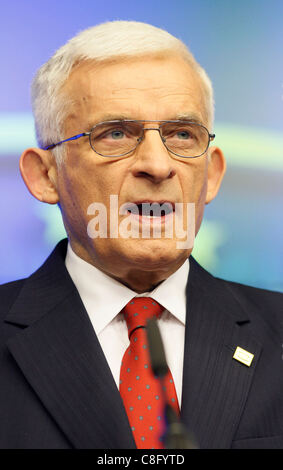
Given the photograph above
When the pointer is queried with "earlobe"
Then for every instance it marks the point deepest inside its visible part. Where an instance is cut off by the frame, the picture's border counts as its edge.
(39, 172)
(215, 172)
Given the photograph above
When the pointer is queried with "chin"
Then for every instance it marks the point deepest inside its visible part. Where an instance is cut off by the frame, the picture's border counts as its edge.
(153, 253)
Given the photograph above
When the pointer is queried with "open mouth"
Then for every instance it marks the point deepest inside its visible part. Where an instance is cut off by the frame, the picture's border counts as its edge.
(158, 210)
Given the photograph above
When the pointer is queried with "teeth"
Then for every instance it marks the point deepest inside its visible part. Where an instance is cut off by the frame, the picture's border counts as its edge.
(152, 209)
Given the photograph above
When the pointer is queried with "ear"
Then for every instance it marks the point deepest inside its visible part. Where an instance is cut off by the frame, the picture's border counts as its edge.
(39, 172)
(215, 172)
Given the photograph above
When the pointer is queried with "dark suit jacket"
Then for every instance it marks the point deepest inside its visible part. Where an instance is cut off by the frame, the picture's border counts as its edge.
(57, 390)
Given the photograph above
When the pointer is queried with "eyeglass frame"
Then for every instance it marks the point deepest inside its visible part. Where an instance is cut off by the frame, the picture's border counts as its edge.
(211, 137)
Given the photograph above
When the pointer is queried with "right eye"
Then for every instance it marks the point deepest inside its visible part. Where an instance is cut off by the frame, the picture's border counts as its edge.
(115, 134)
(111, 134)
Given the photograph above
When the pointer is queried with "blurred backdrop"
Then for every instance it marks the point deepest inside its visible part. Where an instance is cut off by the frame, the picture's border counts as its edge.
(240, 44)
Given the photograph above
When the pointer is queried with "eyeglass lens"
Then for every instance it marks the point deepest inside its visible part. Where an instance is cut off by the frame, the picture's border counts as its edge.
(116, 139)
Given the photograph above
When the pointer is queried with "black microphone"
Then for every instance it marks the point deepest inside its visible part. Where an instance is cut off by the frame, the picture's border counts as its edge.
(176, 435)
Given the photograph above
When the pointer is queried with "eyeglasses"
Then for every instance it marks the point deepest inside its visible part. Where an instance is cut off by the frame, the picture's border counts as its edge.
(119, 138)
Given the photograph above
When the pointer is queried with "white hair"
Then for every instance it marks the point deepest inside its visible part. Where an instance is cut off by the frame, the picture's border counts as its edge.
(108, 41)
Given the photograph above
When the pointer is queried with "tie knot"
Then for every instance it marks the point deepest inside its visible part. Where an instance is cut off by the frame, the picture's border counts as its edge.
(139, 310)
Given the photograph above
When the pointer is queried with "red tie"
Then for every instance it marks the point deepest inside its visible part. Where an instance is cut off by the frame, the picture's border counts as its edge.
(140, 390)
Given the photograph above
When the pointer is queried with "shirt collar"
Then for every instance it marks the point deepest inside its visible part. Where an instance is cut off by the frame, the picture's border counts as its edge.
(104, 297)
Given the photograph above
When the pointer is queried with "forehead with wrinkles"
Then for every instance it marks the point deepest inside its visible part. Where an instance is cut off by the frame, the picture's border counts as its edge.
(147, 88)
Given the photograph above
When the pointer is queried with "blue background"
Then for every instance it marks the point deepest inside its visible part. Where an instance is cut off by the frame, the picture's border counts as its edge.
(240, 46)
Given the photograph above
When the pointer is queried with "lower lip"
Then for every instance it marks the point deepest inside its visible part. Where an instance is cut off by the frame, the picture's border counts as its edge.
(143, 219)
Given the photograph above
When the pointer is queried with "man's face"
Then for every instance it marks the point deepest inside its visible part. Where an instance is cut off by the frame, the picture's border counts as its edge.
(145, 89)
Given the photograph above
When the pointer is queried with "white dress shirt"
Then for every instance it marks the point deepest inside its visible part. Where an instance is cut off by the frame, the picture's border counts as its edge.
(104, 298)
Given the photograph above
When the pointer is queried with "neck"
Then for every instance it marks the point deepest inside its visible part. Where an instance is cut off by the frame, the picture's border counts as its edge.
(136, 278)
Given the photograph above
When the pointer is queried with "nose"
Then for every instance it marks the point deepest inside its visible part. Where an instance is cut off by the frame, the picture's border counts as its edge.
(153, 160)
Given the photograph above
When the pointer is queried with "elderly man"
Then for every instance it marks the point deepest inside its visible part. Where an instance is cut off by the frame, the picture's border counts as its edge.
(124, 118)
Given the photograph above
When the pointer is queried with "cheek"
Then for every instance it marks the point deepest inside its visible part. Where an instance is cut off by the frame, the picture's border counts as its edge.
(96, 176)
(202, 192)
(195, 182)
(195, 188)
(81, 186)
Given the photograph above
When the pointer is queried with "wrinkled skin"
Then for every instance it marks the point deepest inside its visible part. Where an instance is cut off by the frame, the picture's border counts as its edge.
(148, 88)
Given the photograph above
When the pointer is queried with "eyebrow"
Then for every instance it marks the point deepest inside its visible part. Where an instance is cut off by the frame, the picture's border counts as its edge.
(108, 117)
(193, 117)
(190, 116)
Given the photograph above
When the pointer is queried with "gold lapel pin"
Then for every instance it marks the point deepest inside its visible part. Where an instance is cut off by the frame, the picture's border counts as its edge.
(243, 356)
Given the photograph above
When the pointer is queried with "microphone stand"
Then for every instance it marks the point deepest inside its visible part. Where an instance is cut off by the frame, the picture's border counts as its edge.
(176, 435)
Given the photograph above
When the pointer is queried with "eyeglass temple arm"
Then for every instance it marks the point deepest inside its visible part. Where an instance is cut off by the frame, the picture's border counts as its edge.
(75, 137)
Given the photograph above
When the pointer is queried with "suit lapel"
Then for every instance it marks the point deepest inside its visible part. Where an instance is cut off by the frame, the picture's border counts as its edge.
(215, 386)
(61, 358)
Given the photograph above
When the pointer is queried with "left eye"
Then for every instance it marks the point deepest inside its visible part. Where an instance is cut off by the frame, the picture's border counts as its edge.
(183, 134)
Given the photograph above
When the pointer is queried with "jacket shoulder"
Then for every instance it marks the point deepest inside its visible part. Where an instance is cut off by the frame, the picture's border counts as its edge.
(8, 293)
(259, 297)
(261, 305)
(254, 296)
